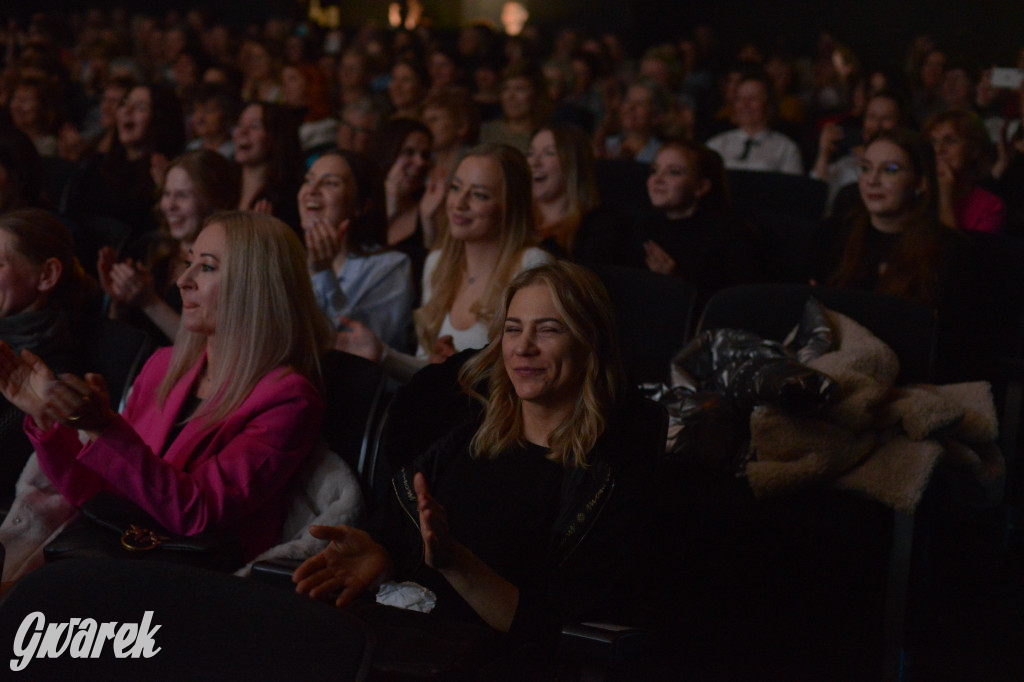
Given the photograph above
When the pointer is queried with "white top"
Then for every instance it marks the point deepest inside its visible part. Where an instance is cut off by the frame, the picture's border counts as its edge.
(769, 151)
(842, 172)
(402, 366)
(475, 336)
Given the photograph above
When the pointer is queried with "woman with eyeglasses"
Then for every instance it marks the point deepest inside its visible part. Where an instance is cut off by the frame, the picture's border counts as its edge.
(893, 242)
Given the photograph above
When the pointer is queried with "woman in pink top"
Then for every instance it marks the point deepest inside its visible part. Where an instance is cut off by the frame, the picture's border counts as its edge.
(215, 426)
(962, 161)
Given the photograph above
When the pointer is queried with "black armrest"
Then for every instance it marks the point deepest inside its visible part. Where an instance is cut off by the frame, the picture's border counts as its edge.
(277, 572)
(604, 642)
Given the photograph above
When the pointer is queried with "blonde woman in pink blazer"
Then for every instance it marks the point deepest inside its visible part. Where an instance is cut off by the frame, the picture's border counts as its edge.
(215, 426)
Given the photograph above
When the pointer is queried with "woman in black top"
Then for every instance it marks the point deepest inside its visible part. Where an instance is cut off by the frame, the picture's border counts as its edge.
(692, 233)
(532, 516)
(892, 242)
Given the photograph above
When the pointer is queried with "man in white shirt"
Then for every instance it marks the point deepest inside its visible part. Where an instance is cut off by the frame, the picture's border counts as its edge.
(752, 145)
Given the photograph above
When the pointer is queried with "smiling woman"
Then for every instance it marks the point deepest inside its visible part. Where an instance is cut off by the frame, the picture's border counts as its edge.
(142, 287)
(893, 241)
(44, 294)
(215, 427)
(355, 276)
(487, 243)
(534, 516)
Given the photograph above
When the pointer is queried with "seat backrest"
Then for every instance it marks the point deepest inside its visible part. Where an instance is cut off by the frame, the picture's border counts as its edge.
(772, 310)
(653, 314)
(421, 412)
(756, 192)
(211, 626)
(622, 184)
(115, 350)
(356, 394)
(786, 241)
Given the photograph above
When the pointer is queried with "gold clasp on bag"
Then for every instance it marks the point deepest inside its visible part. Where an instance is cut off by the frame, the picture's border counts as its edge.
(138, 539)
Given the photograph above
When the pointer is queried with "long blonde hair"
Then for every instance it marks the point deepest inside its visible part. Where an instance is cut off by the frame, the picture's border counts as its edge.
(267, 317)
(515, 235)
(584, 306)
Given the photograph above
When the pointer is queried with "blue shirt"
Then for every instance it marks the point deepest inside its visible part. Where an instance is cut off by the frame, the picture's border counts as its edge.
(375, 289)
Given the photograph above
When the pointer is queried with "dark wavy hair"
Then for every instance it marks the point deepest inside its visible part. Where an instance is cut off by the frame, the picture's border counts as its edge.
(368, 229)
(388, 141)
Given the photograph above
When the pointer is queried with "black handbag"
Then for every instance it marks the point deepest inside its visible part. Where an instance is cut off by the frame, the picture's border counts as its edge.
(115, 528)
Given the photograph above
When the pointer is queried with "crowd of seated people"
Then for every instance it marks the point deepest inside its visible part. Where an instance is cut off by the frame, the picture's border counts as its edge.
(252, 197)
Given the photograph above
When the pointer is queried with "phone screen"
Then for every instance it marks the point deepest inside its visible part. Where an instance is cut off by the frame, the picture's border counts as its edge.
(1003, 77)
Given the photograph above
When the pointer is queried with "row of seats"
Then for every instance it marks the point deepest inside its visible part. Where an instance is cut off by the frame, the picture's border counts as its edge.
(365, 431)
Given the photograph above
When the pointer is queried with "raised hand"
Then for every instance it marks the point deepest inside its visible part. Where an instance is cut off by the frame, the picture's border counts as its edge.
(323, 243)
(358, 339)
(132, 284)
(430, 202)
(443, 349)
(263, 206)
(25, 381)
(158, 164)
(658, 260)
(438, 545)
(81, 403)
(352, 562)
(105, 262)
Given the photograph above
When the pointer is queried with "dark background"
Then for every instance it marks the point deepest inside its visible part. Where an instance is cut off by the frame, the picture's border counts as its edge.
(983, 31)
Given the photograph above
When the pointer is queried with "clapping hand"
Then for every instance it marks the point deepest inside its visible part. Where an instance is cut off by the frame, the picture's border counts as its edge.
(25, 381)
(438, 544)
(132, 284)
(29, 385)
(358, 339)
(263, 207)
(323, 243)
(443, 349)
(658, 260)
(351, 562)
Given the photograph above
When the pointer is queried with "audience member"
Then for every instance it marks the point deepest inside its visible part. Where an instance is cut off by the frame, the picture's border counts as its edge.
(524, 107)
(341, 205)
(44, 296)
(268, 151)
(142, 288)
(557, 425)
(692, 233)
(753, 145)
(963, 161)
(490, 227)
(216, 426)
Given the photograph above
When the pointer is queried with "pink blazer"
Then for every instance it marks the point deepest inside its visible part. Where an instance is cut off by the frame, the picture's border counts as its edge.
(230, 476)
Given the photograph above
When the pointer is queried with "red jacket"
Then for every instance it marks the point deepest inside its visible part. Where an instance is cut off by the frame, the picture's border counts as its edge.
(231, 475)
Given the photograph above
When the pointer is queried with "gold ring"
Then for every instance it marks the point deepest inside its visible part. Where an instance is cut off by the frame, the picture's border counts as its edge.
(74, 418)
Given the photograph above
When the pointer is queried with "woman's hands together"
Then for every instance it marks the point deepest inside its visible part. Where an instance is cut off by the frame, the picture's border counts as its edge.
(29, 385)
(25, 381)
(358, 339)
(323, 243)
(127, 283)
(352, 562)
